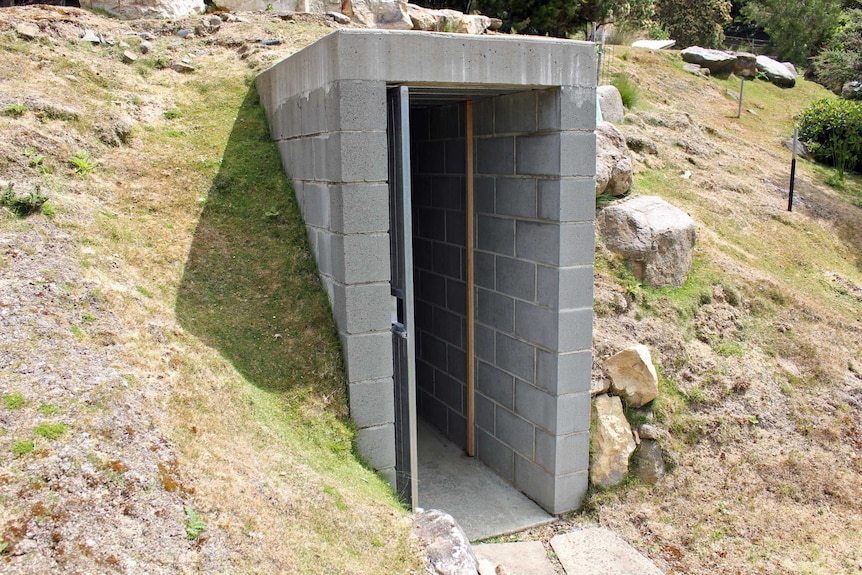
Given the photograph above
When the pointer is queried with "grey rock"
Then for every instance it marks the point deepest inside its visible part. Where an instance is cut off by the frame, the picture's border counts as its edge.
(213, 21)
(695, 69)
(129, 57)
(650, 462)
(642, 145)
(716, 61)
(123, 44)
(650, 431)
(655, 238)
(852, 90)
(146, 46)
(135, 9)
(611, 104)
(27, 30)
(383, 14)
(90, 36)
(339, 17)
(184, 33)
(611, 441)
(745, 65)
(613, 162)
(446, 547)
(181, 67)
(791, 68)
(146, 36)
(776, 72)
(633, 376)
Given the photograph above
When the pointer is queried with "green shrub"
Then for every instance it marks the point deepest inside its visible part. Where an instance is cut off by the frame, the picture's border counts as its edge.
(50, 430)
(832, 131)
(15, 110)
(694, 23)
(23, 205)
(840, 60)
(629, 91)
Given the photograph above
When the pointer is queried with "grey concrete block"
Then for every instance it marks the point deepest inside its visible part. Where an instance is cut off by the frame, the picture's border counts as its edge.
(323, 251)
(447, 326)
(573, 413)
(567, 108)
(429, 156)
(367, 356)
(431, 224)
(515, 112)
(484, 340)
(456, 228)
(431, 288)
(315, 204)
(536, 406)
(495, 310)
(356, 105)
(456, 364)
(576, 330)
(495, 155)
(538, 241)
(433, 411)
(372, 402)
(577, 154)
(360, 258)
(563, 454)
(562, 374)
(445, 121)
(496, 385)
(516, 197)
(424, 375)
(483, 117)
(389, 475)
(516, 432)
(447, 260)
(538, 155)
(286, 122)
(484, 266)
(516, 357)
(420, 126)
(432, 350)
(484, 195)
(377, 445)
(423, 257)
(456, 429)
(567, 199)
(516, 278)
(363, 307)
(456, 156)
(359, 208)
(484, 409)
(557, 494)
(496, 235)
(450, 391)
(496, 455)
(421, 190)
(565, 288)
(537, 324)
(448, 192)
(577, 243)
(456, 296)
(313, 112)
(352, 157)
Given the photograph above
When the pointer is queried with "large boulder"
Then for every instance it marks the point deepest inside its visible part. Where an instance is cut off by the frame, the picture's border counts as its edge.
(447, 549)
(633, 376)
(613, 162)
(611, 441)
(446, 20)
(655, 238)
(745, 65)
(776, 72)
(852, 90)
(132, 9)
(383, 14)
(718, 62)
(611, 104)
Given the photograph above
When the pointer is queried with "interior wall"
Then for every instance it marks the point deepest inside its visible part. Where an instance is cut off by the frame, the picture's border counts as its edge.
(439, 256)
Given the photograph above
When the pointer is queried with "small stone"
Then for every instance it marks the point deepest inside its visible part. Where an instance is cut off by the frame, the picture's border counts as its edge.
(181, 67)
(123, 44)
(129, 57)
(146, 36)
(446, 547)
(650, 462)
(89, 36)
(649, 431)
(27, 31)
(184, 33)
(611, 441)
(146, 46)
(601, 385)
(214, 22)
(633, 376)
(338, 17)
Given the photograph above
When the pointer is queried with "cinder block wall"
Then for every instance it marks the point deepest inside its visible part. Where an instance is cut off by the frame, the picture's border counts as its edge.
(535, 162)
(439, 256)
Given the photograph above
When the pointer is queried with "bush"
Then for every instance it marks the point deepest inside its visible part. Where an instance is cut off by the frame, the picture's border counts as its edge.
(840, 60)
(694, 23)
(832, 130)
(798, 30)
(628, 89)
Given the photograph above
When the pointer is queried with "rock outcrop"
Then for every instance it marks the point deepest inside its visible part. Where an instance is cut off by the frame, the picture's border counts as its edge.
(633, 376)
(447, 20)
(383, 14)
(745, 65)
(776, 72)
(613, 162)
(612, 442)
(718, 62)
(655, 238)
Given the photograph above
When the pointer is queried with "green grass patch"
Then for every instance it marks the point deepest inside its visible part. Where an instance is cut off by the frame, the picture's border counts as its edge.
(13, 400)
(23, 447)
(50, 431)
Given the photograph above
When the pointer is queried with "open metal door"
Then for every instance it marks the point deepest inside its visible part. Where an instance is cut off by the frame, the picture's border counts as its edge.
(403, 333)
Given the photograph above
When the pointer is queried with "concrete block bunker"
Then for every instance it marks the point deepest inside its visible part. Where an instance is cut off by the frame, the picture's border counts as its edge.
(447, 187)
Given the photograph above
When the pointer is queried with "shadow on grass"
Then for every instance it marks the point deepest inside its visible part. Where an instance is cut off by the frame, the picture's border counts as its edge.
(250, 287)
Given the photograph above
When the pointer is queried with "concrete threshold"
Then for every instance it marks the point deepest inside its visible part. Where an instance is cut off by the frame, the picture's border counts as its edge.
(482, 503)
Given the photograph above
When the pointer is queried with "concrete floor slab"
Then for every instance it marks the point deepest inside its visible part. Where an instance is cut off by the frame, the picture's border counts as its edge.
(526, 558)
(480, 501)
(599, 551)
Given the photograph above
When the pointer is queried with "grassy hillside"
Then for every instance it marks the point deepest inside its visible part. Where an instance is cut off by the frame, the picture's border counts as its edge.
(179, 274)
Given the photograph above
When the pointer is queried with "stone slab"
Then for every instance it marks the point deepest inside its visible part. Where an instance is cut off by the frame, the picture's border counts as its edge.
(599, 551)
(653, 44)
(525, 558)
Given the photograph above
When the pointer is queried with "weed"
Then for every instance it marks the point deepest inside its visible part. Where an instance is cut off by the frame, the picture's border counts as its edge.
(48, 409)
(628, 89)
(15, 110)
(50, 430)
(144, 292)
(23, 447)
(272, 212)
(173, 114)
(195, 526)
(3, 546)
(23, 205)
(76, 331)
(83, 163)
(13, 400)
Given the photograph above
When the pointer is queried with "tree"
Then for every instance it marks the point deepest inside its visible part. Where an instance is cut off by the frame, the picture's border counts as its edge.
(797, 29)
(563, 18)
(600, 13)
(694, 23)
(840, 60)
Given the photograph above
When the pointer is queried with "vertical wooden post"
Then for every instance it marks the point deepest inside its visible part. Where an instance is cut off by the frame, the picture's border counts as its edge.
(741, 89)
(471, 327)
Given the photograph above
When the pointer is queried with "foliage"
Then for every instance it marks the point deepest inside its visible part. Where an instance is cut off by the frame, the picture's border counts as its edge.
(798, 30)
(83, 163)
(628, 89)
(23, 205)
(23, 447)
(15, 110)
(173, 114)
(832, 130)
(50, 430)
(694, 23)
(195, 526)
(13, 400)
(840, 60)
